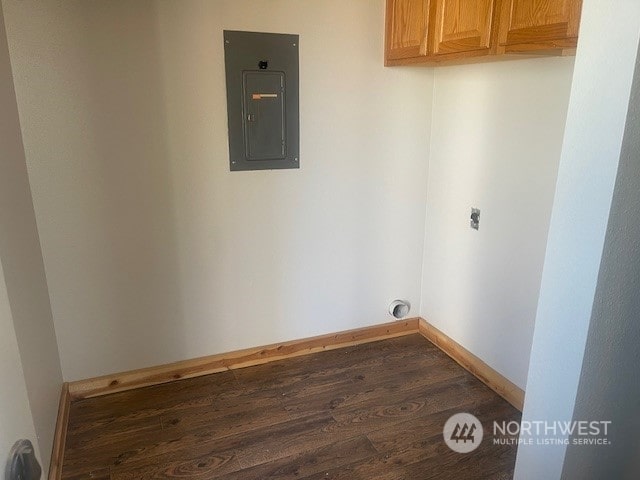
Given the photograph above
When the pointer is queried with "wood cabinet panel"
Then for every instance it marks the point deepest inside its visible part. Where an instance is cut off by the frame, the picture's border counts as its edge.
(406, 28)
(432, 32)
(462, 25)
(545, 23)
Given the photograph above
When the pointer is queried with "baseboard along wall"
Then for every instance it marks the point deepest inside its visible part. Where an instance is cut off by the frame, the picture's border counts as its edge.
(60, 434)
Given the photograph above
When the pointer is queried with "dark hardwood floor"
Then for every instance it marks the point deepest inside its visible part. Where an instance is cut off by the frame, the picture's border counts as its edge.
(374, 411)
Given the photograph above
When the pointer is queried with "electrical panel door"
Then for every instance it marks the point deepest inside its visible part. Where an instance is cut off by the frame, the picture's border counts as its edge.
(264, 118)
(262, 100)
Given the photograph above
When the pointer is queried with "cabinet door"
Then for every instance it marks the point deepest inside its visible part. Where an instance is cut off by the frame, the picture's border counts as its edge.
(462, 25)
(550, 22)
(406, 28)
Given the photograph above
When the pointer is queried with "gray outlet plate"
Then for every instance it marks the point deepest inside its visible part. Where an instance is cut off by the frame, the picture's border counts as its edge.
(262, 75)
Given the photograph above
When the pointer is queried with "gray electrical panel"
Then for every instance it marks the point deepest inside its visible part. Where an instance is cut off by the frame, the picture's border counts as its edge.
(262, 100)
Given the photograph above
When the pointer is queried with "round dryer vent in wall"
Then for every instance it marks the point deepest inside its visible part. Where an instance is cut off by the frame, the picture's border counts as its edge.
(399, 309)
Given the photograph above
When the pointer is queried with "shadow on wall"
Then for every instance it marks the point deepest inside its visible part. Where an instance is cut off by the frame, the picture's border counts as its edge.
(125, 244)
(497, 149)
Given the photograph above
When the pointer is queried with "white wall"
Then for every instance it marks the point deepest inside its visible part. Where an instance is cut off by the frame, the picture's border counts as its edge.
(153, 250)
(25, 284)
(609, 386)
(15, 417)
(605, 64)
(495, 144)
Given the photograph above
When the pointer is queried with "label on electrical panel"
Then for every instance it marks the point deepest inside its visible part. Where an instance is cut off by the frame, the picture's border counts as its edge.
(260, 96)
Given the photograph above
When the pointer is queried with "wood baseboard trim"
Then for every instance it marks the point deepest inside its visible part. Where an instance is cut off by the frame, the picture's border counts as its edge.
(60, 434)
(467, 360)
(120, 382)
(145, 377)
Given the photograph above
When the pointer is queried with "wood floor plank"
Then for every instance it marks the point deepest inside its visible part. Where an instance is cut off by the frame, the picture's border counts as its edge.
(325, 366)
(488, 461)
(151, 400)
(415, 450)
(296, 435)
(405, 434)
(99, 474)
(286, 439)
(371, 411)
(308, 463)
(225, 419)
(203, 468)
(177, 450)
(413, 404)
(111, 432)
(359, 391)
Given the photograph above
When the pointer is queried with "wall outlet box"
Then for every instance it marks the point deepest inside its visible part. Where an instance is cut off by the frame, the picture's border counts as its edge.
(475, 218)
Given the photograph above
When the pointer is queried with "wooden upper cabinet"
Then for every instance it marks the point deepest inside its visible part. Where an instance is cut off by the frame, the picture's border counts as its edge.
(441, 31)
(406, 29)
(462, 25)
(539, 25)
